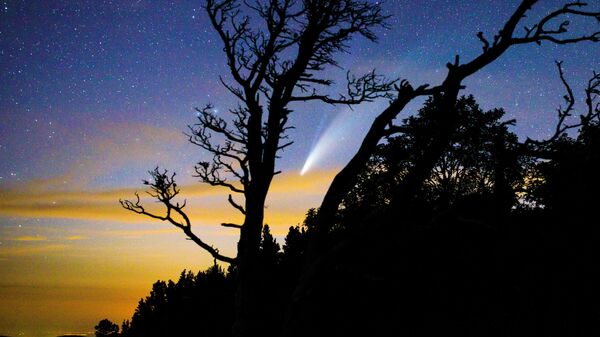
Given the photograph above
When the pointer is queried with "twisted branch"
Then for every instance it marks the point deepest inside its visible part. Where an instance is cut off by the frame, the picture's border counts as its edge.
(163, 187)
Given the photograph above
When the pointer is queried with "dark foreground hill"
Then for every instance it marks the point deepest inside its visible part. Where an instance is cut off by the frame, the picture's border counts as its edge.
(459, 278)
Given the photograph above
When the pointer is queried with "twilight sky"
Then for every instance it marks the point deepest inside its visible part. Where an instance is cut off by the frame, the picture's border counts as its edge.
(95, 93)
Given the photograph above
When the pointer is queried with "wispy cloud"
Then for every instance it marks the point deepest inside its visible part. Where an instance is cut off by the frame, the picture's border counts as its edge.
(138, 233)
(108, 149)
(290, 196)
(75, 238)
(30, 250)
(29, 238)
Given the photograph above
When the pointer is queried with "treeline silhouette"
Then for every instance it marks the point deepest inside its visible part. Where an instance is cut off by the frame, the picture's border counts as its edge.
(499, 241)
(439, 223)
(202, 304)
(496, 243)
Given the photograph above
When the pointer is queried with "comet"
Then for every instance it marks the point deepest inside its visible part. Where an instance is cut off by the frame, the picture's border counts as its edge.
(318, 152)
(334, 136)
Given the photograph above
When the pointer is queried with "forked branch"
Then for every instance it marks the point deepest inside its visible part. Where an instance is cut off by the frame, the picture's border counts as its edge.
(539, 31)
(592, 115)
(164, 189)
(365, 88)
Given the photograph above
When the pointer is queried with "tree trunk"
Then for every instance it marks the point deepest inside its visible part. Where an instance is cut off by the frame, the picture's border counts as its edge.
(247, 299)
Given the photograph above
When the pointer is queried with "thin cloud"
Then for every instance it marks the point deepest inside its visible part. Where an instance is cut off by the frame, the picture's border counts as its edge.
(290, 197)
(138, 233)
(113, 146)
(8, 252)
(75, 238)
(29, 238)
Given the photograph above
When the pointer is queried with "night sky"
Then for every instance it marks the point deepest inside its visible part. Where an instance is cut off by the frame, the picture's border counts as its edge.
(95, 93)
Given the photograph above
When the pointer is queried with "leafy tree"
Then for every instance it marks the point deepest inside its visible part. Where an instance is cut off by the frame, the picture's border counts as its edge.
(473, 164)
(106, 328)
(567, 185)
(269, 248)
(200, 305)
(295, 244)
(126, 328)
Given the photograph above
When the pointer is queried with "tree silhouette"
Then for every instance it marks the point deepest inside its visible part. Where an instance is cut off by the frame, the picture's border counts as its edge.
(458, 208)
(472, 267)
(273, 63)
(471, 165)
(443, 125)
(445, 119)
(200, 305)
(572, 162)
(281, 61)
(452, 254)
(106, 328)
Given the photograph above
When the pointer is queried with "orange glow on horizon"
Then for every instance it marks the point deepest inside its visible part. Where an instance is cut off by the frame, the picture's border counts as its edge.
(73, 257)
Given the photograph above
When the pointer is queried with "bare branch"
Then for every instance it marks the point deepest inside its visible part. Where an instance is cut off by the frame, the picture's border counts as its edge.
(164, 189)
(229, 157)
(210, 173)
(569, 98)
(236, 205)
(219, 12)
(592, 114)
(208, 121)
(365, 88)
(534, 34)
(231, 225)
(538, 32)
(380, 128)
(592, 93)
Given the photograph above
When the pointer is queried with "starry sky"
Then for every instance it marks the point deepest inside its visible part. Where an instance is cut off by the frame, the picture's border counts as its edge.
(95, 93)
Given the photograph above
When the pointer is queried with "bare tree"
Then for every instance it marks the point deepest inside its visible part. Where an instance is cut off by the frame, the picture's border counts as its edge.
(550, 28)
(277, 60)
(591, 115)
